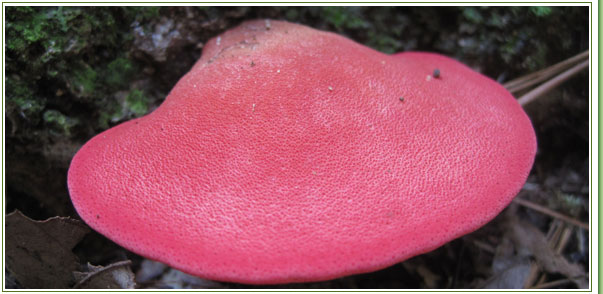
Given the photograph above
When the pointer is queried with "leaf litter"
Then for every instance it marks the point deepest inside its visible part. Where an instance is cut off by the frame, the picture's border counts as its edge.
(114, 276)
(39, 256)
(38, 253)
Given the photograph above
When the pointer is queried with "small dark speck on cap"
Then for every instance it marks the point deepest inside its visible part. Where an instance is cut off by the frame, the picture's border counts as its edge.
(436, 73)
(252, 63)
(401, 98)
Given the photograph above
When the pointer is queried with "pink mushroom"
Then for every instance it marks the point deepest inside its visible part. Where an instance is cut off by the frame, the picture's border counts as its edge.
(289, 154)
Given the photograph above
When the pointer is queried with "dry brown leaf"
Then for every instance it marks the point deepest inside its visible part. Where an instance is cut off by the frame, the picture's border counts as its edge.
(38, 253)
(530, 238)
(114, 276)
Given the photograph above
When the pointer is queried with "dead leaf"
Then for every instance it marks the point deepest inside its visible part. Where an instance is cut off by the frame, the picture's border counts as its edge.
(38, 253)
(510, 269)
(512, 277)
(114, 276)
(149, 269)
(529, 237)
(505, 256)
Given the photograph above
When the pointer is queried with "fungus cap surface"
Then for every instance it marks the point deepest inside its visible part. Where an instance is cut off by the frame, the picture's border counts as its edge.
(289, 154)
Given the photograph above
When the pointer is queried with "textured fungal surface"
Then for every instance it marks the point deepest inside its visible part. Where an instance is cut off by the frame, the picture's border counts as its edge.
(289, 154)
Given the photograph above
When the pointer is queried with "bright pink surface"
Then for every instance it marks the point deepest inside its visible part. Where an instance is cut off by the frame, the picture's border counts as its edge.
(286, 155)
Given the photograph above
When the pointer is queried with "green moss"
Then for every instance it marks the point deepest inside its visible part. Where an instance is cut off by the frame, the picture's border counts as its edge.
(24, 27)
(384, 42)
(21, 95)
(521, 38)
(79, 52)
(344, 17)
(110, 113)
(60, 28)
(60, 122)
(137, 103)
(63, 33)
(141, 13)
(119, 71)
(473, 15)
(22, 9)
(83, 80)
(541, 11)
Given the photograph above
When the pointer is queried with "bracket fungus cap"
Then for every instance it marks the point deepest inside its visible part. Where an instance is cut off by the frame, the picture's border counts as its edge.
(289, 154)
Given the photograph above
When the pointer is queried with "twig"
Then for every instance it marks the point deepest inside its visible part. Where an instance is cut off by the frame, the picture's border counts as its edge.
(484, 246)
(552, 83)
(564, 239)
(553, 237)
(553, 231)
(532, 276)
(553, 68)
(526, 81)
(550, 212)
(552, 284)
(106, 268)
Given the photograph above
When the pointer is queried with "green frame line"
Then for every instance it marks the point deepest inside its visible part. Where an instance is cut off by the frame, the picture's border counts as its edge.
(598, 147)
(591, 167)
(270, 2)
